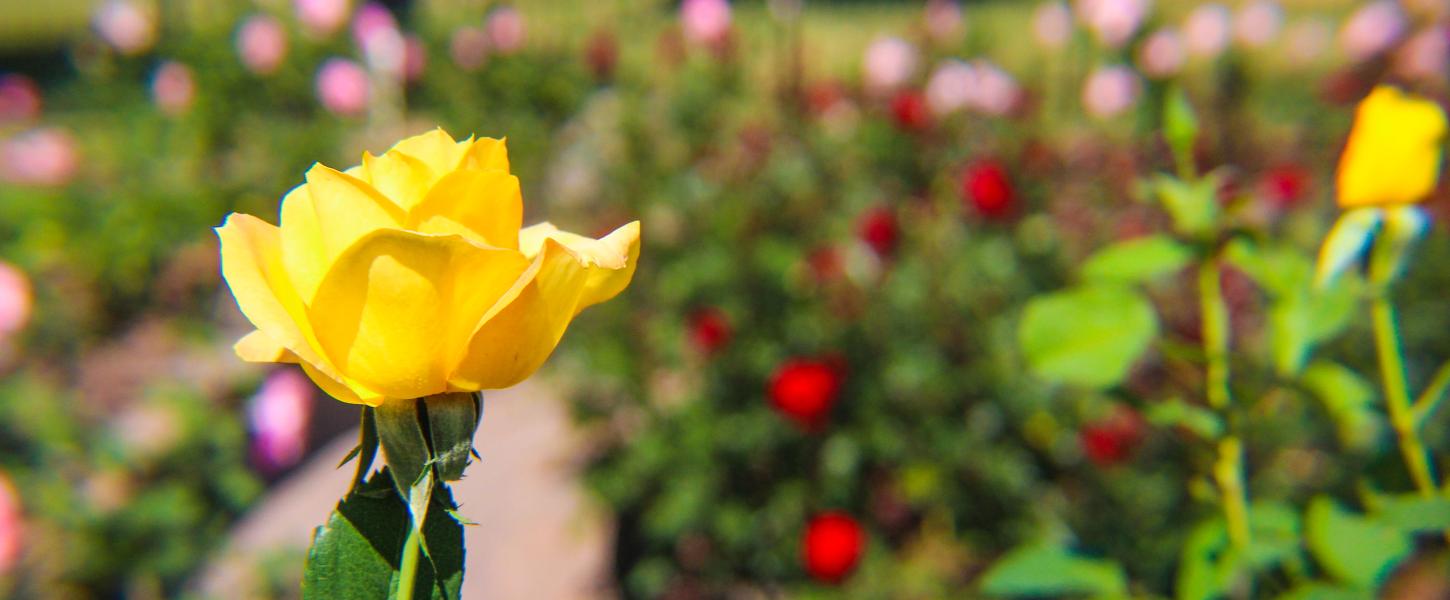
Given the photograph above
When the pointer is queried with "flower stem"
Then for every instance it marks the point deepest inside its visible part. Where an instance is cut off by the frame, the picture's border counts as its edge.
(1397, 395)
(408, 570)
(1228, 470)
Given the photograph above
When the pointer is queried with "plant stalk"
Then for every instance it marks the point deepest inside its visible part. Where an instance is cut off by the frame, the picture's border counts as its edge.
(1397, 395)
(1228, 470)
(408, 569)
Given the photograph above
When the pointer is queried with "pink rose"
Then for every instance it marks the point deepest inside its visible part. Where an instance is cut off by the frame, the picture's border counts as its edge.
(469, 48)
(278, 417)
(505, 27)
(15, 299)
(1206, 30)
(1052, 24)
(19, 99)
(1372, 29)
(1162, 54)
(1109, 91)
(173, 88)
(262, 44)
(342, 87)
(890, 61)
(126, 26)
(322, 17)
(41, 157)
(705, 22)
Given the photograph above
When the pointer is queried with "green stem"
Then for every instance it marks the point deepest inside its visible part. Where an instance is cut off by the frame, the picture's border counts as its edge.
(1433, 394)
(1228, 470)
(408, 571)
(1397, 395)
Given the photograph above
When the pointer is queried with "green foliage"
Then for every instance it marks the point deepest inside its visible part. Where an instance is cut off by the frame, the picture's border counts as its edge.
(1088, 336)
(1354, 549)
(1046, 570)
(1137, 260)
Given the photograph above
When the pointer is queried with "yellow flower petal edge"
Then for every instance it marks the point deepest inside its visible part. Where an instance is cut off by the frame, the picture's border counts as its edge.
(1394, 149)
(410, 274)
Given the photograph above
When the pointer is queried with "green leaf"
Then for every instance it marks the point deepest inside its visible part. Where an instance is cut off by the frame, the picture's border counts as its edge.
(1301, 315)
(1354, 549)
(1176, 413)
(1192, 205)
(1209, 567)
(1088, 335)
(357, 553)
(404, 447)
(1044, 570)
(1138, 260)
(1180, 124)
(367, 447)
(1348, 399)
(1325, 591)
(452, 421)
(1412, 513)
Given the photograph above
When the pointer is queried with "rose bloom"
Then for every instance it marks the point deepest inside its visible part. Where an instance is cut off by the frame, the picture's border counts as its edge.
(127, 26)
(15, 299)
(262, 44)
(1206, 30)
(322, 17)
(422, 280)
(804, 390)
(943, 19)
(878, 229)
(949, 89)
(909, 112)
(1113, 21)
(710, 330)
(1307, 40)
(1372, 29)
(415, 58)
(371, 20)
(40, 157)
(705, 22)
(1393, 153)
(987, 189)
(1052, 24)
(19, 99)
(278, 417)
(505, 27)
(1109, 91)
(888, 64)
(996, 93)
(342, 87)
(832, 546)
(1162, 54)
(1257, 23)
(1424, 55)
(1112, 440)
(172, 88)
(12, 526)
(469, 48)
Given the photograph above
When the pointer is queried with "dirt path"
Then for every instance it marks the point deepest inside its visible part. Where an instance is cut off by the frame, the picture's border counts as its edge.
(538, 535)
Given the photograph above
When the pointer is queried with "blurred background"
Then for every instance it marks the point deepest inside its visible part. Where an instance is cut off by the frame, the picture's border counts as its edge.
(845, 207)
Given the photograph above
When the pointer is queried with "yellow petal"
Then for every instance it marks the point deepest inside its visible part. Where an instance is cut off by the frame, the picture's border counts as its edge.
(1394, 148)
(568, 273)
(396, 310)
(435, 148)
(486, 206)
(401, 178)
(257, 346)
(515, 341)
(252, 267)
(610, 260)
(323, 218)
(488, 153)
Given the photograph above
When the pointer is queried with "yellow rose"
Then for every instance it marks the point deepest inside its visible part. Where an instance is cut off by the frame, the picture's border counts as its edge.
(1393, 154)
(409, 275)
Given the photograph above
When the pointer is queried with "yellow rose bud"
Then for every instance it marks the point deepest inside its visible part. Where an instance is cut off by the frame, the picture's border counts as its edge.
(1393, 154)
(410, 275)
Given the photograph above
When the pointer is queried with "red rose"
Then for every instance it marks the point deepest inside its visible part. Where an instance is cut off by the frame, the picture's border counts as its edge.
(1285, 185)
(832, 546)
(877, 228)
(1112, 440)
(988, 190)
(601, 54)
(710, 330)
(804, 390)
(908, 109)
